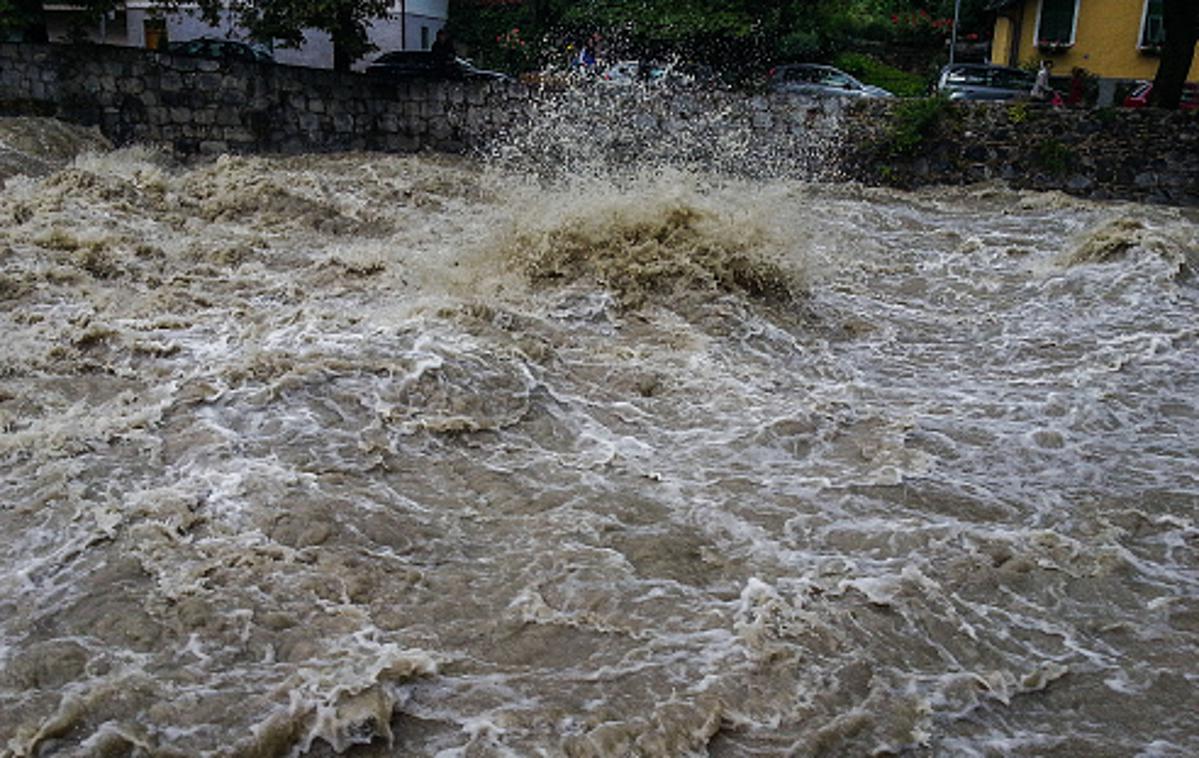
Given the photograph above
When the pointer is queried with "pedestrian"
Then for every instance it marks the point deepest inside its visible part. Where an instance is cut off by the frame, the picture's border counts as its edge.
(1041, 91)
(1078, 86)
(443, 47)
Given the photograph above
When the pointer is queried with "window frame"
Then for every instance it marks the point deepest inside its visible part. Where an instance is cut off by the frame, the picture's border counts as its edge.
(1073, 28)
(1152, 48)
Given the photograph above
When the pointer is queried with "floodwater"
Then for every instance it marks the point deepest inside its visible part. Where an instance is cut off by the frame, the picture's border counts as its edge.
(399, 455)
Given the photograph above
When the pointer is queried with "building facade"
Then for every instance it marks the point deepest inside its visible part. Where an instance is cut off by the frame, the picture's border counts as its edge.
(1110, 39)
(411, 25)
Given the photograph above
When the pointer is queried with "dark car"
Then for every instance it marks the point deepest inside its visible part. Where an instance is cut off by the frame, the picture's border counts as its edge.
(1139, 97)
(814, 79)
(982, 81)
(221, 49)
(414, 64)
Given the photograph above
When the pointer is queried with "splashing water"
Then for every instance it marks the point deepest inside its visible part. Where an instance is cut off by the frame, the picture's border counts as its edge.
(419, 456)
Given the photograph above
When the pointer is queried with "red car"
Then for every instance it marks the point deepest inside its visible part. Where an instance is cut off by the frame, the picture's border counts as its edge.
(1139, 97)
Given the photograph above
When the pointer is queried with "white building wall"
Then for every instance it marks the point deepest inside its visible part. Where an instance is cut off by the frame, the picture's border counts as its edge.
(421, 21)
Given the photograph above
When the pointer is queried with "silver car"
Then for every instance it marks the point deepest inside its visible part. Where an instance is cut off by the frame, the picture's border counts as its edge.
(817, 80)
(981, 81)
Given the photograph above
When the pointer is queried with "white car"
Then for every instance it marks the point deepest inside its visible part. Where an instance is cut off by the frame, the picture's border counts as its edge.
(631, 72)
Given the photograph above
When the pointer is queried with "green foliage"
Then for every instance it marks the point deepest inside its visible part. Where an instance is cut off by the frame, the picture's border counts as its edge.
(22, 20)
(736, 36)
(801, 45)
(1054, 157)
(284, 21)
(913, 122)
(873, 71)
(1018, 113)
(10, 21)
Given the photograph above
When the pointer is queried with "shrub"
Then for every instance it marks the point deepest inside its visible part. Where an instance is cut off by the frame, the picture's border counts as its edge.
(1054, 157)
(913, 122)
(801, 46)
(873, 71)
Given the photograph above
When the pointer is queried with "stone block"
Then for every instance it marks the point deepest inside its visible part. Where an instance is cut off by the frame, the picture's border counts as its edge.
(762, 120)
(209, 84)
(439, 128)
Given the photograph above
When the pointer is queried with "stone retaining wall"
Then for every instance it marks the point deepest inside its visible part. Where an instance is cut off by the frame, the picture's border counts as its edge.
(1145, 154)
(204, 107)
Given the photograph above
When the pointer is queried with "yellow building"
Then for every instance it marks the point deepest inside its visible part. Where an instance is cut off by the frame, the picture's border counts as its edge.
(1111, 39)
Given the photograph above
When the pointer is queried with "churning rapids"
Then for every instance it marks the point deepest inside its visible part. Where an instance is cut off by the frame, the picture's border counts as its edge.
(424, 456)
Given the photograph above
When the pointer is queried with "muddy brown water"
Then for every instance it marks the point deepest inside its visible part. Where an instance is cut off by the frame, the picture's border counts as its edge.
(424, 456)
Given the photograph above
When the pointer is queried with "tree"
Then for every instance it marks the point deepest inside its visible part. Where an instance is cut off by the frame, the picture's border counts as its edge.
(283, 22)
(1181, 21)
(24, 18)
(280, 22)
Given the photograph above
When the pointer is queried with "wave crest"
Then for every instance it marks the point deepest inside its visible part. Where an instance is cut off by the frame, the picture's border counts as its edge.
(653, 248)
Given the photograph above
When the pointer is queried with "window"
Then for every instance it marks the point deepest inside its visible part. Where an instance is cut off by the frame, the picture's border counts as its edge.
(424, 38)
(1153, 28)
(967, 76)
(1055, 23)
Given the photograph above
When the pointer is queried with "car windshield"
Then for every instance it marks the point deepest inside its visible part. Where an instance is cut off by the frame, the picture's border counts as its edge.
(1010, 79)
(836, 79)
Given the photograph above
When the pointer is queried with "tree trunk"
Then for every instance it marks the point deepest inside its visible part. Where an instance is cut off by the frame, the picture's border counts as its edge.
(1181, 20)
(345, 39)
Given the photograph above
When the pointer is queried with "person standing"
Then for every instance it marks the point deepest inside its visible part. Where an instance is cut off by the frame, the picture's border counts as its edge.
(1041, 91)
(443, 47)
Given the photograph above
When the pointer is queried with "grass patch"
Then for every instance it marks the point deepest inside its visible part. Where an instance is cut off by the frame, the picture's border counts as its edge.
(875, 72)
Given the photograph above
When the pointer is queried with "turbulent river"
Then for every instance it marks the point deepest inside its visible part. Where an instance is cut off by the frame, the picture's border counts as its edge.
(397, 455)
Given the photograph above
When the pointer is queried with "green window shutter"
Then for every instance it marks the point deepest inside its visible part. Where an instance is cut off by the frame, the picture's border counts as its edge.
(1154, 33)
(1057, 22)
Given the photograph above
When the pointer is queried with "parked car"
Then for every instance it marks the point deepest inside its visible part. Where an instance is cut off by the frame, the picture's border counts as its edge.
(422, 64)
(221, 49)
(983, 81)
(649, 72)
(629, 72)
(1139, 97)
(813, 79)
